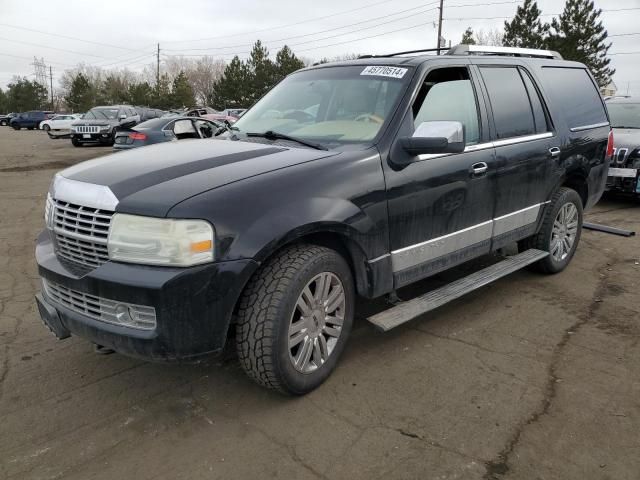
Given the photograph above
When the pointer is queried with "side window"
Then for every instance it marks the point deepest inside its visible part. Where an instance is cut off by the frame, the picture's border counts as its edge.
(575, 94)
(512, 113)
(539, 116)
(447, 94)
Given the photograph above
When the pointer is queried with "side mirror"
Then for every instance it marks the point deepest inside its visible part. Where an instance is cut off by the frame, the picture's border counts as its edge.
(123, 117)
(434, 138)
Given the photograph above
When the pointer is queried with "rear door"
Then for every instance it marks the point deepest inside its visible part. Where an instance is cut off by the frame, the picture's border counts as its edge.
(525, 144)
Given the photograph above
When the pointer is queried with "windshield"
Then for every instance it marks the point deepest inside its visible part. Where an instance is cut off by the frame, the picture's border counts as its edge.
(624, 115)
(331, 104)
(102, 114)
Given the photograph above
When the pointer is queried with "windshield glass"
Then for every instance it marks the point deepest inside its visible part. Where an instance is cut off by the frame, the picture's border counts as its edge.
(624, 115)
(102, 114)
(332, 104)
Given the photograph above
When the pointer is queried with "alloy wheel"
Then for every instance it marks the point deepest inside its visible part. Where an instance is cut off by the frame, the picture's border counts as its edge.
(564, 231)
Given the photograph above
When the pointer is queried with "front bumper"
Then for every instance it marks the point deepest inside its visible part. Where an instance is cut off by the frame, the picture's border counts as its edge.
(193, 305)
(103, 137)
(624, 179)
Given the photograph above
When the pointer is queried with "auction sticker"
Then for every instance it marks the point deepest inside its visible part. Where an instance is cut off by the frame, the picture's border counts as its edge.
(383, 71)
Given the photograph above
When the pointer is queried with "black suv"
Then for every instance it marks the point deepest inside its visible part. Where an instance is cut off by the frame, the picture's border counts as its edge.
(29, 120)
(352, 178)
(624, 170)
(100, 124)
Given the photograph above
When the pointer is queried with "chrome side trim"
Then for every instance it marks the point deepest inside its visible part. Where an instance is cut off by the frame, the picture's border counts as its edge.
(497, 143)
(381, 257)
(525, 138)
(589, 127)
(515, 220)
(416, 254)
(82, 193)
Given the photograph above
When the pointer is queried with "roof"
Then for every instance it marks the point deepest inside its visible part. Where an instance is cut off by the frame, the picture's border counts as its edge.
(623, 99)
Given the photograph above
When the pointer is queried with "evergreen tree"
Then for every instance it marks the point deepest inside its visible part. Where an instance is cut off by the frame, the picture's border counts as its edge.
(526, 30)
(81, 96)
(4, 107)
(140, 94)
(467, 37)
(578, 34)
(113, 90)
(23, 95)
(232, 90)
(286, 63)
(262, 72)
(181, 92)
(162, 93)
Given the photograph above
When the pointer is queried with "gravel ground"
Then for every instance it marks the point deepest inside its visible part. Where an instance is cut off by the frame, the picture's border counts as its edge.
(533, 377)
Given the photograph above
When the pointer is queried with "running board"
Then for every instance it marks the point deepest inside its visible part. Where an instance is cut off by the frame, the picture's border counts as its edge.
(410, 309)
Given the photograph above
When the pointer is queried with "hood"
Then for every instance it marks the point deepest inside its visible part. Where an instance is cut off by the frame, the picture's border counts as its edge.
(626, 138)
(151, 180)
(99, 123)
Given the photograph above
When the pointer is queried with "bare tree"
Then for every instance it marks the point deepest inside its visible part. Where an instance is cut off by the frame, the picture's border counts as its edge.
(203, 77)
(492, 37)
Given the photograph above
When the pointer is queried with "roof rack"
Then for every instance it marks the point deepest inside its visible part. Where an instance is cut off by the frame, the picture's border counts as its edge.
(507, 51)
(423, 50)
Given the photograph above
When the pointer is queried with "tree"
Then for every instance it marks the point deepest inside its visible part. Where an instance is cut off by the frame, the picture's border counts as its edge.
(23, 95)
(4, 107)
(162, 93)
(286, 63)
(203, 78)
(526, 30)
(81, 95)
(578, 34)
(492, 37)
(114, 89)
(467, 37)
(262, 72)
(181, 92)
(140, 94)
(232, 90)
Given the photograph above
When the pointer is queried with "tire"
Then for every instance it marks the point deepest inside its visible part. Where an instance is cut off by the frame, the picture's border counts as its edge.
(46, 127)
(29, 128)
(16, 126)
(3, 123)
(560, 253)
(270, 313)
(75, 142)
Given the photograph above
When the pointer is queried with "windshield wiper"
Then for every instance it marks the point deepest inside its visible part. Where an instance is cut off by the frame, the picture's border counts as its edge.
(271, 135)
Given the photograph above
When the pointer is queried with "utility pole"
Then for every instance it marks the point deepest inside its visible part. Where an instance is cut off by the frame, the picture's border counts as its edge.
(51, 80)
(158, 70)
(440, 24)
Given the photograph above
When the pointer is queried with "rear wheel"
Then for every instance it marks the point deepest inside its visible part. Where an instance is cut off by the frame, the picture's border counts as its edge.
(294, 319)
(16, 126)
(560, 232)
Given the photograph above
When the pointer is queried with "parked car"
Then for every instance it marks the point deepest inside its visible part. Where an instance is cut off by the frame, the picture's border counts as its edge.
(149, 113)
(5, 119)
(159, 130)
(624, 170)
(59, 122)
(100, 124)
(412, 165)
(211, 114)
(234, 112)
(29, 120)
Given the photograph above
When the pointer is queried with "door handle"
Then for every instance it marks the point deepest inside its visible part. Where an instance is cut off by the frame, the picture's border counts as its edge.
(479, 168)
(554, 152)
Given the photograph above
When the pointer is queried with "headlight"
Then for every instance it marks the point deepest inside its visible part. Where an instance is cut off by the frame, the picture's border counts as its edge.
(105, 127)
(160, 241)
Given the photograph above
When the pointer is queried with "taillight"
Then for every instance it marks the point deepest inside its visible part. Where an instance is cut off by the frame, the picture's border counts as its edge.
(141, 136)
(610, 144)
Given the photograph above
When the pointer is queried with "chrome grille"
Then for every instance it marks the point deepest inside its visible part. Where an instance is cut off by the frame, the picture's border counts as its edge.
(109, 311)
(81, 233)
(87, 129)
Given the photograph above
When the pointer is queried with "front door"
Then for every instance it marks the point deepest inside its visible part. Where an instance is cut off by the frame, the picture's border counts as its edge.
(441, 206)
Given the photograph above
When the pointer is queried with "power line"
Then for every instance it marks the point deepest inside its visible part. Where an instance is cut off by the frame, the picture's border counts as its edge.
(544, 15)
(51, 48)
(318, 32)
(67, 37)
(30, 59)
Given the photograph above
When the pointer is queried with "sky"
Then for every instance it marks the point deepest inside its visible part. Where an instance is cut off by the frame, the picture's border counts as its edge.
(119, 34)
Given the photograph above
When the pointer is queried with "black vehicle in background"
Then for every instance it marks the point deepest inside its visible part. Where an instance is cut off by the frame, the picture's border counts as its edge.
(29, 120)
(100, 124)
(5, 119)
(624, 170)
(161, 130)
(350, 178)
(149, 113)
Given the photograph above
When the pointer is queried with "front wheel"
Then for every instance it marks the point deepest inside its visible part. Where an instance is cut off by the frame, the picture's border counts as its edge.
(560, 231)
(294, 319)
(75, 142)
(46, 127)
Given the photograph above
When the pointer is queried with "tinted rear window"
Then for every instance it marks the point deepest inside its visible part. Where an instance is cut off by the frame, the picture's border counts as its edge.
(512, 112)
(573, 91)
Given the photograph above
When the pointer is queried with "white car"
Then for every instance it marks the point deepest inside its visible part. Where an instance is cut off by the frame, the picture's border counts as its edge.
(59, 122)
